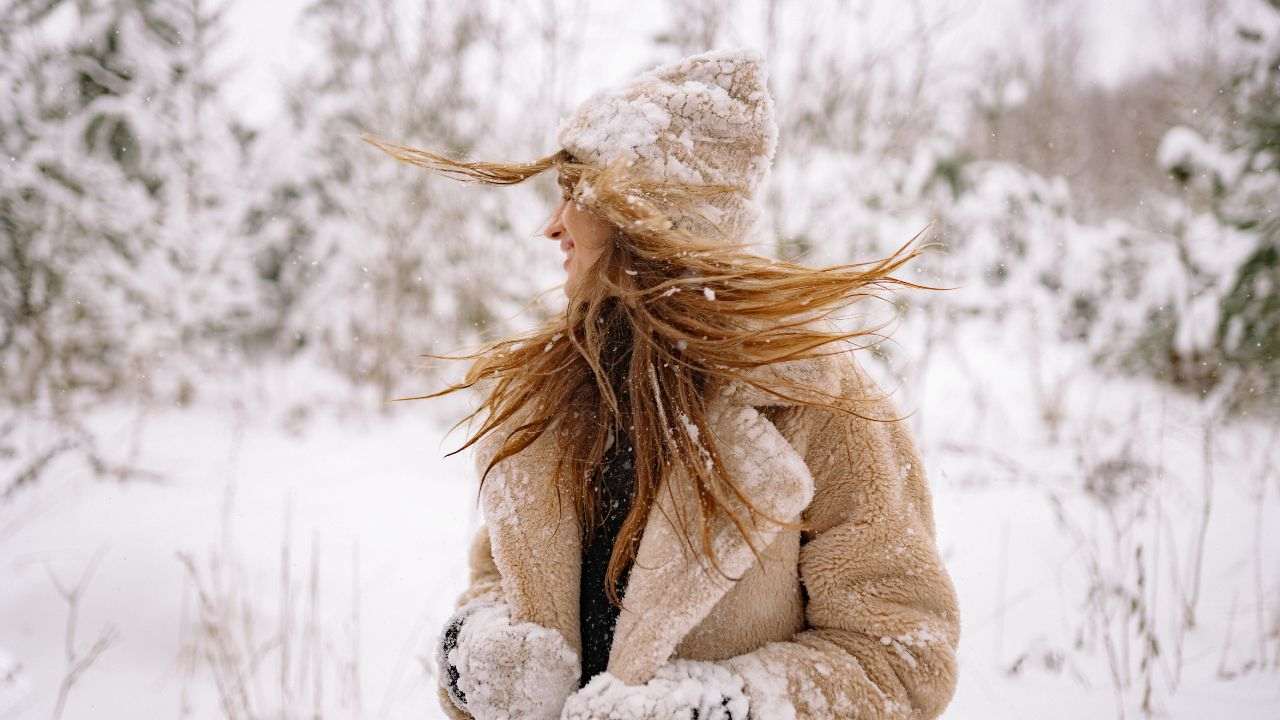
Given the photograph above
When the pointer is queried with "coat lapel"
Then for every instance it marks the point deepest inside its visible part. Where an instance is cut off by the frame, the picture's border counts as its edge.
(670, 588)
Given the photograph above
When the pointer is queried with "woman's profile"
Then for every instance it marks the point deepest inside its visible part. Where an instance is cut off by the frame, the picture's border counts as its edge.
(697, 504)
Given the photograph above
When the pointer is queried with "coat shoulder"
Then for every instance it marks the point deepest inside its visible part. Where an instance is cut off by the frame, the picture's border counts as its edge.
(864, 451)
(852, 401)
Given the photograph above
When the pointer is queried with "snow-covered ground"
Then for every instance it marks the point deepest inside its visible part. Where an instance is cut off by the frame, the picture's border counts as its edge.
(384, 518)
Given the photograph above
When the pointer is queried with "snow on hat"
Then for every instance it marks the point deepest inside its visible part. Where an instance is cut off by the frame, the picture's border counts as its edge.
(707, 118)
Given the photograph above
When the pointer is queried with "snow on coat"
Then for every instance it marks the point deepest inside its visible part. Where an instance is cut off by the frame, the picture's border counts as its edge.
(857, 617)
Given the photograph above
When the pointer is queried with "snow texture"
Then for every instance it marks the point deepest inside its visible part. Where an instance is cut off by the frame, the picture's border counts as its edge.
(445, 670)
(511, 670)
(767, 687)
(681, 690)
(411, 501)
(1183, 147)
(706, 118)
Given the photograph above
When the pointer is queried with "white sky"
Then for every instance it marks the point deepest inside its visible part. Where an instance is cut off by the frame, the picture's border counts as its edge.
(1122, 37)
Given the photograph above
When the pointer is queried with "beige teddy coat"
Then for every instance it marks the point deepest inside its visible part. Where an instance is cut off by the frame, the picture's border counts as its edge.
(855, 618)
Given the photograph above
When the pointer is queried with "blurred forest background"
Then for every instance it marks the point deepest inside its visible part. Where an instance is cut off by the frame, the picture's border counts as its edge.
(167, 260)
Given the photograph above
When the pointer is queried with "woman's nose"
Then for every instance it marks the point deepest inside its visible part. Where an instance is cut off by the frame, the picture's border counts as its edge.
(555, 226)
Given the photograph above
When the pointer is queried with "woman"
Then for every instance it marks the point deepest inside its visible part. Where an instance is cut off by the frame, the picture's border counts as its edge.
(690, 513)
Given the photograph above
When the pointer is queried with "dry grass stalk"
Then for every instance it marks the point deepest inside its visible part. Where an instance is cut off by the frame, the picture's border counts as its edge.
(78, 662)
(276, 669)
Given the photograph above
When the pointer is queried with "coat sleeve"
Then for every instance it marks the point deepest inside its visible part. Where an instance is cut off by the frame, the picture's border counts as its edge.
(483, 578)
(882, 617)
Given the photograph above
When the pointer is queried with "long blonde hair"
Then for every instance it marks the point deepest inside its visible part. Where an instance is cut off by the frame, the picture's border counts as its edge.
(665, 313)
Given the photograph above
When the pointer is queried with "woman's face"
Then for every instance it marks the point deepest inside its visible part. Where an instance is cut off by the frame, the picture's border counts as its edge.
(582, 235)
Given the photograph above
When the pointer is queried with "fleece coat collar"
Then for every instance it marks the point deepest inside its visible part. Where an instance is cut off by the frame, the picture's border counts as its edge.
(670, 589)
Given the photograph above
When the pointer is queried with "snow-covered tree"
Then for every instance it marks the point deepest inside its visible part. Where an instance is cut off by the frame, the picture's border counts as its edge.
(1249, 329)
(1227, 220)
(369, 263)
(115, 207)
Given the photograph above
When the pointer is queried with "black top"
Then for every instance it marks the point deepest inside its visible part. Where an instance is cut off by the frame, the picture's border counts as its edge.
(599, 616)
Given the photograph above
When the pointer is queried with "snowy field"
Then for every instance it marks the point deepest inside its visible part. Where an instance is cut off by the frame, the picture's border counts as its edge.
(365, 523)
(185, 195)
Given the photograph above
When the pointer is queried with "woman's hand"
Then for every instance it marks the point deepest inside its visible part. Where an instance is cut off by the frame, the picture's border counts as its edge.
(681, 690)
(495, 669)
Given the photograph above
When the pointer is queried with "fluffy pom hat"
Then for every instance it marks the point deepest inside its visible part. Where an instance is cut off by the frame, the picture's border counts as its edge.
(707, 118)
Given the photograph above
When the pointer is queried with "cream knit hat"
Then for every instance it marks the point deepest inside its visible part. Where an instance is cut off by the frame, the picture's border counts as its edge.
(707, 118)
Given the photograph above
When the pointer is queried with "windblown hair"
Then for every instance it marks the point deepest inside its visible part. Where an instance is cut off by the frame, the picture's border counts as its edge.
(668, 316)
